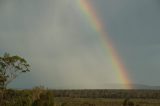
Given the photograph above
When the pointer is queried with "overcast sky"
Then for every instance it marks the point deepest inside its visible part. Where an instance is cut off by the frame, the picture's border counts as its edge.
(65, 52)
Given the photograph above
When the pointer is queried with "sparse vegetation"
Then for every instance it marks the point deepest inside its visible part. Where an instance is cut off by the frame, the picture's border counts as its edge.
(39, 96)
(27, 98)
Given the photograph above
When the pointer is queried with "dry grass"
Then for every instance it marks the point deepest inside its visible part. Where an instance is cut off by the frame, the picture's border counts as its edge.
(37, 91)
(104, 102)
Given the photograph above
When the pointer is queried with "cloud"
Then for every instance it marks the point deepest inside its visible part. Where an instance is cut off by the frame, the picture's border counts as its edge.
(134, 27)
(65, 52)
(62, 49)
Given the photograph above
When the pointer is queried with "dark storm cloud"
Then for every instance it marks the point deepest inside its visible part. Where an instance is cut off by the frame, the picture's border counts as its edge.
(61, 46)
(134, 27)
(57, 43)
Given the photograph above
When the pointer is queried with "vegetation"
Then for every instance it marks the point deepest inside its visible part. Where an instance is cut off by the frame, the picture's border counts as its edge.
(10, 68)
(39, 96)
(115, 94)
(105, 102)
(35, 97)
(13, 66)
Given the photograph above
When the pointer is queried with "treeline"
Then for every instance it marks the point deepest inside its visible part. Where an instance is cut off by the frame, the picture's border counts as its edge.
(38, 96)
(148, 94)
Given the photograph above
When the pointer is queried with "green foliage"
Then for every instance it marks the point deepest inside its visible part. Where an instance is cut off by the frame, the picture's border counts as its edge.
(46, 98)
(16, 98)
(25, 98)
(11, 67)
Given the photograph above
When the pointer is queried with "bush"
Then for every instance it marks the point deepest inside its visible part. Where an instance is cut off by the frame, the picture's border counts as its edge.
(127, 102)
(46, 99)
(35, 97)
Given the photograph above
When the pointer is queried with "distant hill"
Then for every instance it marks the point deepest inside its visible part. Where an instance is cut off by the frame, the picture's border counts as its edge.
(140, 86)
(135, 86)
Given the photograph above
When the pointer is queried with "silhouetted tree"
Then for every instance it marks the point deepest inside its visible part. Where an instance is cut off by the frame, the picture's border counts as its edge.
(10, 68)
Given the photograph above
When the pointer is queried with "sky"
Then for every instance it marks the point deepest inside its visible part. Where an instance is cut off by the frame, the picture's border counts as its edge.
(65, 52)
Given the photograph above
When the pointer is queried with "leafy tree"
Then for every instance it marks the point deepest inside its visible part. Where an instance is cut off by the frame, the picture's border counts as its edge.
(10, 68)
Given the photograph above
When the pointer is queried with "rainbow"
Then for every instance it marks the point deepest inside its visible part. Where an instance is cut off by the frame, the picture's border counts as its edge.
(98, 26)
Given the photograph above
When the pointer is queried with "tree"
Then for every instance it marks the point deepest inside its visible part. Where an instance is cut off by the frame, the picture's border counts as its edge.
(10, 68)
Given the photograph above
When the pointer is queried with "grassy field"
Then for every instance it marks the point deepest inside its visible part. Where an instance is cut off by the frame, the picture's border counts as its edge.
(104, 102)
(107, 97)
(44, 97)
